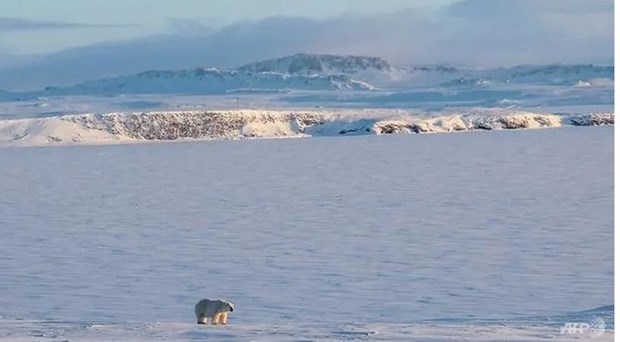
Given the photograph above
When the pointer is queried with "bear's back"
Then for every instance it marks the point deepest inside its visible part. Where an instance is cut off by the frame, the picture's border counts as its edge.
(202, 306)
(208, 307)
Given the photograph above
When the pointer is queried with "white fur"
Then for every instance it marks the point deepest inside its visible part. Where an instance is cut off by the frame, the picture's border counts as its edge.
(216, 310)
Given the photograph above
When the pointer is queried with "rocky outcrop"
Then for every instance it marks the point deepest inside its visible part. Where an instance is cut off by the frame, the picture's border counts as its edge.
(208, 125)
(595, 119)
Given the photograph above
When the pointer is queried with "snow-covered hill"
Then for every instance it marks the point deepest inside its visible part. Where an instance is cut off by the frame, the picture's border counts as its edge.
(326, 73)
(210, 125)
(557, 74)
(317, 64)
(299, 72)
(380, 72)
(208, 81)
(560, 73)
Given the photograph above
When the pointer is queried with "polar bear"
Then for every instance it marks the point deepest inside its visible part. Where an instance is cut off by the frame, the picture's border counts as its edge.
(217, 310)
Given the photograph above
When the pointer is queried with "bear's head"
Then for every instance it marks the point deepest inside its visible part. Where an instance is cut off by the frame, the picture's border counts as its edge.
(228, 306)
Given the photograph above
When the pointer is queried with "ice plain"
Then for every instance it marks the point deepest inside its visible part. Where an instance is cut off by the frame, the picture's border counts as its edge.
(474, 236)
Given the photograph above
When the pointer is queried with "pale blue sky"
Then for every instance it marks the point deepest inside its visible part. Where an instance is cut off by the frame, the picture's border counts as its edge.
(148, 17)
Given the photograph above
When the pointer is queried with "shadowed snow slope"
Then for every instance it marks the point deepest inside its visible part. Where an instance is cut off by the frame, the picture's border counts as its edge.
(240, 124)
(207, 81)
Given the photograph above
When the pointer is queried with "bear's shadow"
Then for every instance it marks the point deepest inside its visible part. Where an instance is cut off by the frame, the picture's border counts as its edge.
(205, 333)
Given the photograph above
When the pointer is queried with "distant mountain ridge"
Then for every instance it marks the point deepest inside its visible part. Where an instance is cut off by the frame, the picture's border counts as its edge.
(558, 74)
(324, 72)
(209, 81)
(319, 64)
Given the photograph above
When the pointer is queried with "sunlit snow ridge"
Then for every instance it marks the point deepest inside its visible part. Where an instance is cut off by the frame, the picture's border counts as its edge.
(243, 124)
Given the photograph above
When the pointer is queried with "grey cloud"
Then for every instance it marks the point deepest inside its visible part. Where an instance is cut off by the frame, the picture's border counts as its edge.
(486, 8)
(531, 31)
(20, 24)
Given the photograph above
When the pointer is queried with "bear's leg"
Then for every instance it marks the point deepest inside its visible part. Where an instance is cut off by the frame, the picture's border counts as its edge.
(224, 318)
(215, 319)
(202, 320)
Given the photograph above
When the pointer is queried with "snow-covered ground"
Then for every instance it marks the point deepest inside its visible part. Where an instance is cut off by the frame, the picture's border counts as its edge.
(42, 331)
(488, 236)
